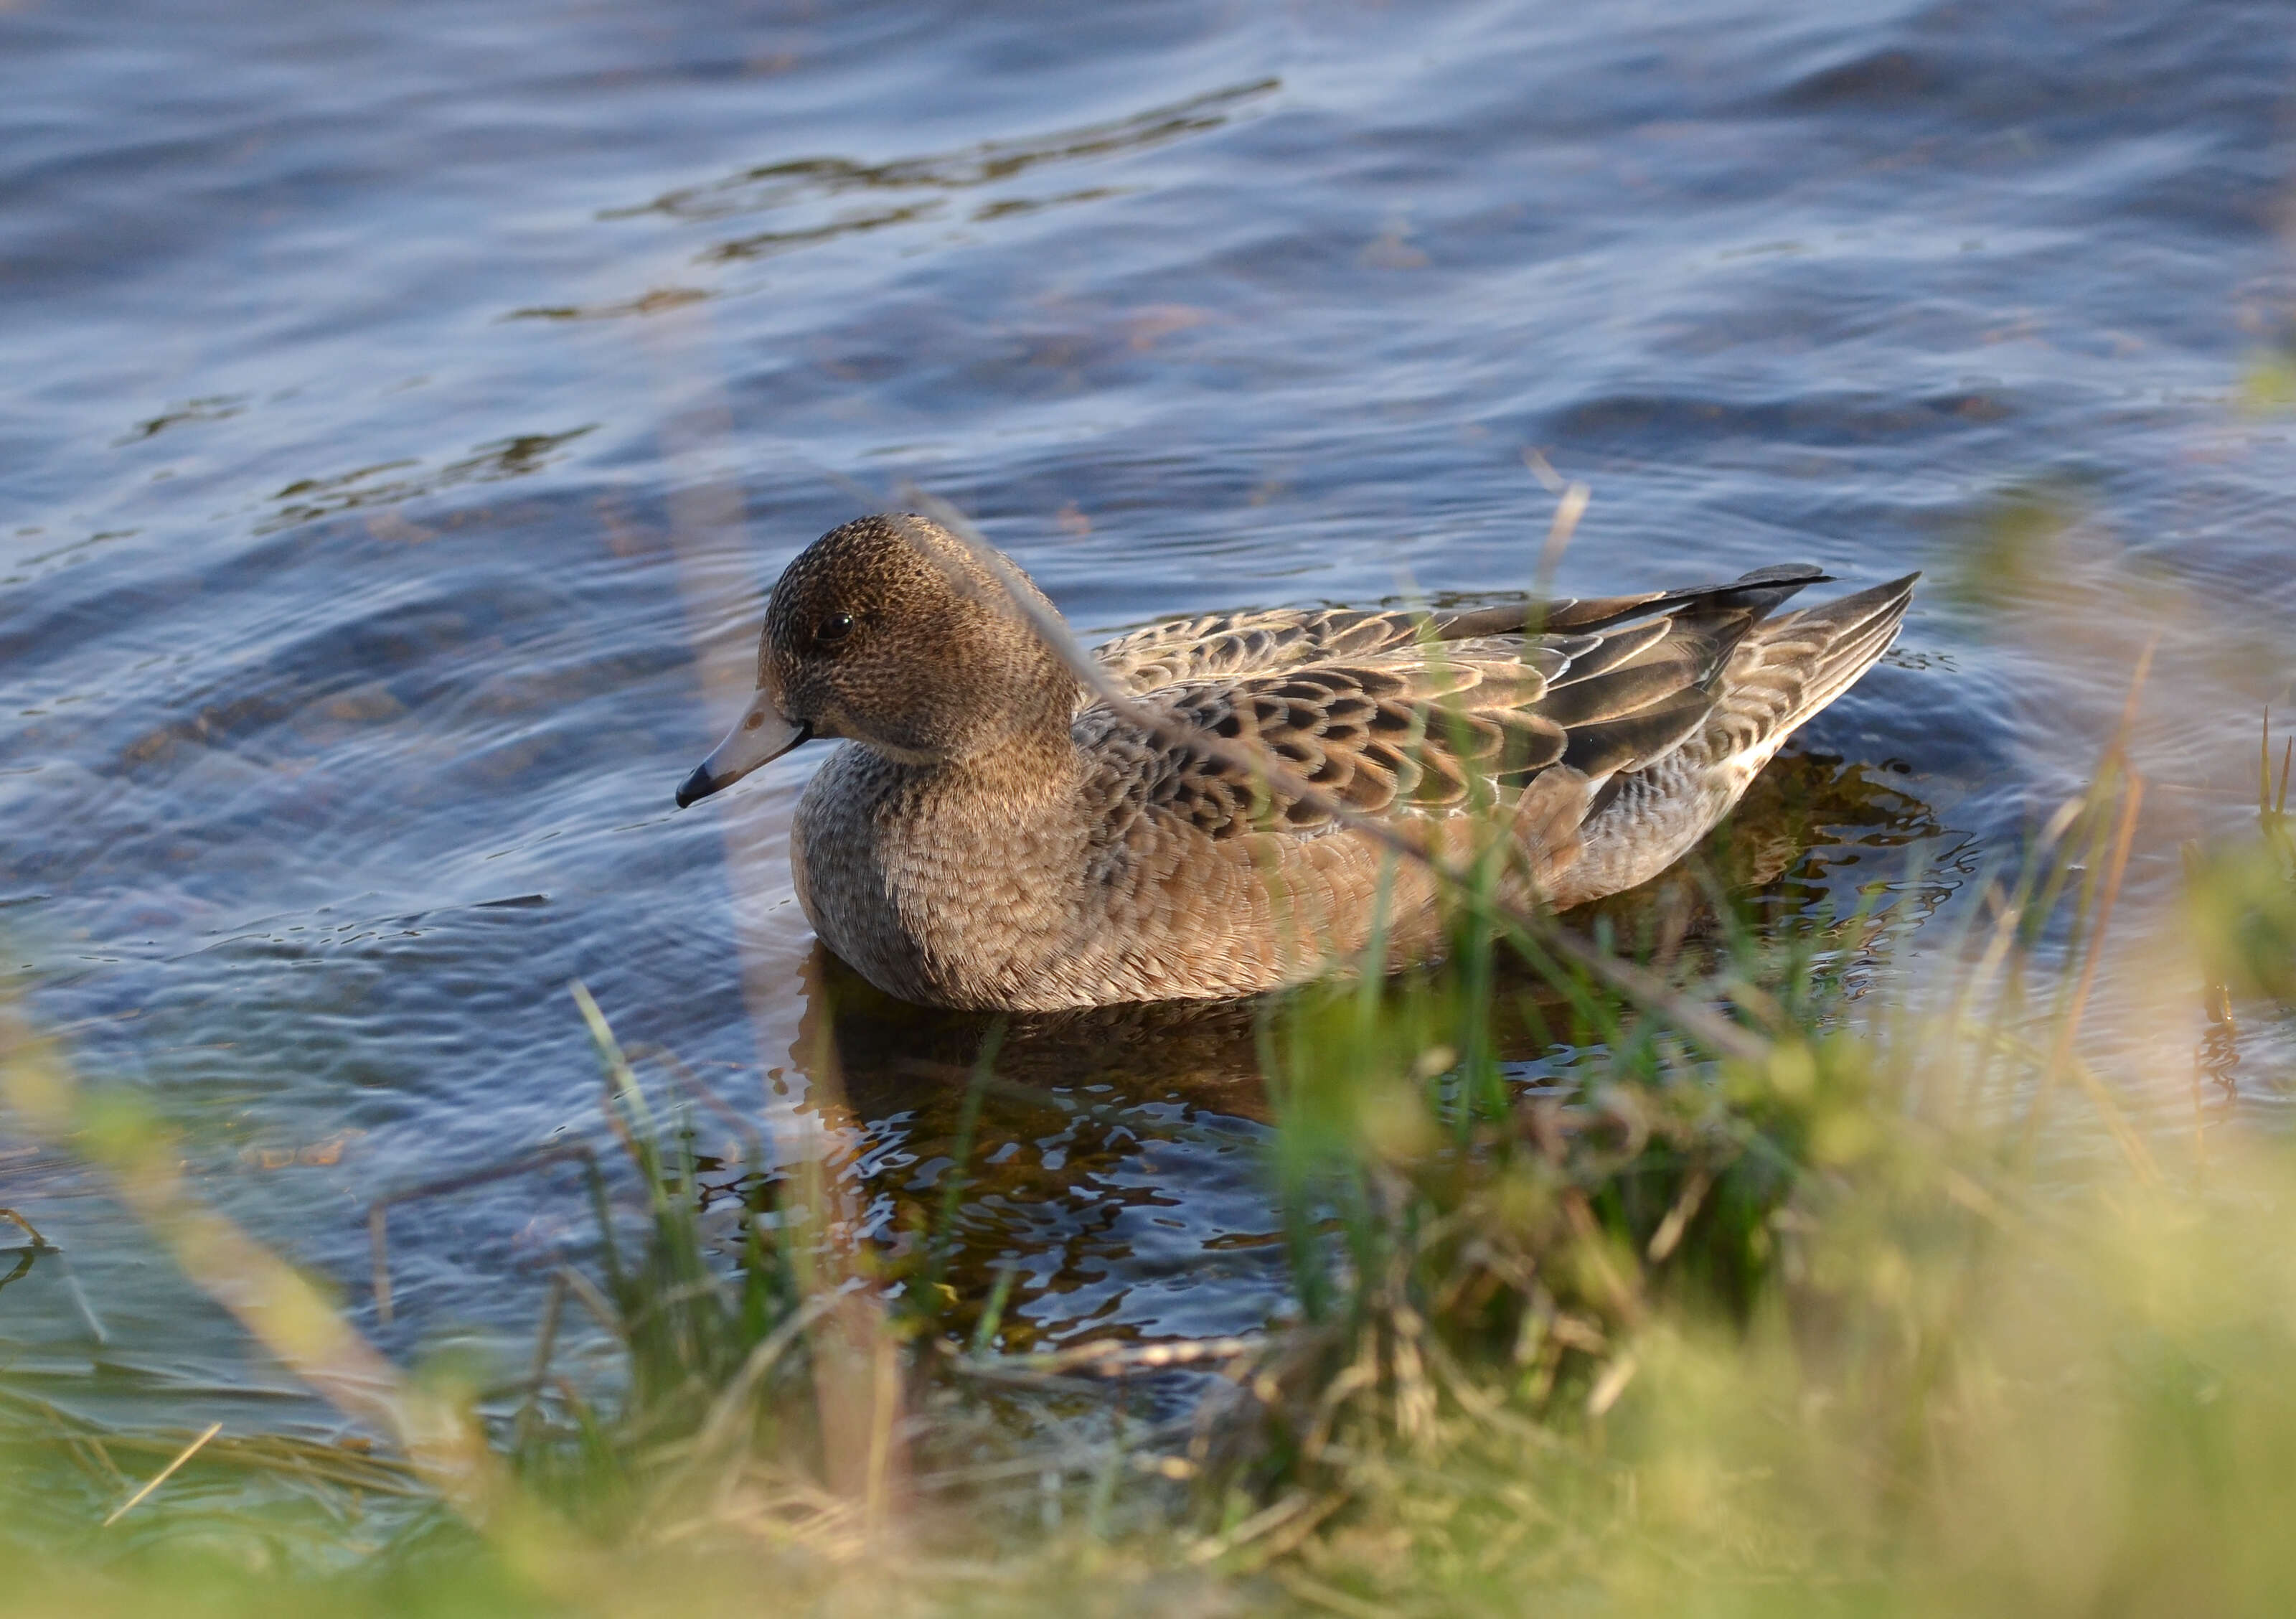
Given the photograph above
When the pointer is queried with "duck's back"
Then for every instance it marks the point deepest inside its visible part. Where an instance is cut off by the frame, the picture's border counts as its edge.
(1616, 731)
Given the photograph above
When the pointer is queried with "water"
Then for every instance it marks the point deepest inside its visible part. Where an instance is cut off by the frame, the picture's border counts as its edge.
(405, 409)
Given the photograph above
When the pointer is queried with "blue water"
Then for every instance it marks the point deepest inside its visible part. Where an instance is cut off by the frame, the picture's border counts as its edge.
(402, 411)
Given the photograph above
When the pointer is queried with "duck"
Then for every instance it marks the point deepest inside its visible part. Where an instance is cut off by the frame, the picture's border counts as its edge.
(1217, 811)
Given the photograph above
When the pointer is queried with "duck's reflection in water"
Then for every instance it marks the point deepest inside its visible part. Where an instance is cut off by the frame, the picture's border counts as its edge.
(1113, 1158)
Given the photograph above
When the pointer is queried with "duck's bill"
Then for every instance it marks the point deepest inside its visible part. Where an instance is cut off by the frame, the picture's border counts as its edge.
(763, 735)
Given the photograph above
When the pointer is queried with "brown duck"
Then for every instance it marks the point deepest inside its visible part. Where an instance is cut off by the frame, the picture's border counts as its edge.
(994, 836)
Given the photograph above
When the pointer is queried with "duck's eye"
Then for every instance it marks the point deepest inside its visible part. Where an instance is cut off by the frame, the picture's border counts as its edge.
(834, 629)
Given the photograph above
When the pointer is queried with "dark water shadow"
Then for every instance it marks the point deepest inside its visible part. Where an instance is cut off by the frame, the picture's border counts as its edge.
(770, 186)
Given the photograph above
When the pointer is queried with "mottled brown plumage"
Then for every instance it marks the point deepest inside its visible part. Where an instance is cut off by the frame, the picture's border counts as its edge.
(990, 837)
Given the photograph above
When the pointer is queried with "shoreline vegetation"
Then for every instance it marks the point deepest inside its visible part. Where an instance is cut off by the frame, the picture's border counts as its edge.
(1825, 1284)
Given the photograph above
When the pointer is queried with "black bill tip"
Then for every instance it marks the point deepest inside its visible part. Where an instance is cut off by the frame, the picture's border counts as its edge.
(697, 787)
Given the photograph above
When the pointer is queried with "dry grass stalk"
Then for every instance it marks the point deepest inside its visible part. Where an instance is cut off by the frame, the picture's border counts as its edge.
(162, 1475)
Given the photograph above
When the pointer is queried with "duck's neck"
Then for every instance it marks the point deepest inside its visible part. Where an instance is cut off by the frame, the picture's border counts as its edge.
(1026, 771)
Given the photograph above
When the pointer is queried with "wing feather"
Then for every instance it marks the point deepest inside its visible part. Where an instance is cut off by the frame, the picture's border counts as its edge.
(1419, 716)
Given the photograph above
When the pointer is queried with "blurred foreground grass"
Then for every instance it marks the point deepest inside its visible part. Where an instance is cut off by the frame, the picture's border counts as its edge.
(1788, 1303)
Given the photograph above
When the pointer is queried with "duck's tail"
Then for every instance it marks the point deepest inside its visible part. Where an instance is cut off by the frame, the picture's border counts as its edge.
(1756, 594)
(1789, 667)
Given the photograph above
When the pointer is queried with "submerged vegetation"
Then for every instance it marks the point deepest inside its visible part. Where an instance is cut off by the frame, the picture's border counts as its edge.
(1810, 1280)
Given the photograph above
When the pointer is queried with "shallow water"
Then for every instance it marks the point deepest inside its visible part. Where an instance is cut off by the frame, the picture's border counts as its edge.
(405, 410)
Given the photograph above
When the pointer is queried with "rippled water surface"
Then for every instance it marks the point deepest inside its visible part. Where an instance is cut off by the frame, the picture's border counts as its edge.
(402, 411)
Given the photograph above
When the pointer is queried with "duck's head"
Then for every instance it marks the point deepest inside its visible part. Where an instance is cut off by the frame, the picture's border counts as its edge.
(894, 633)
